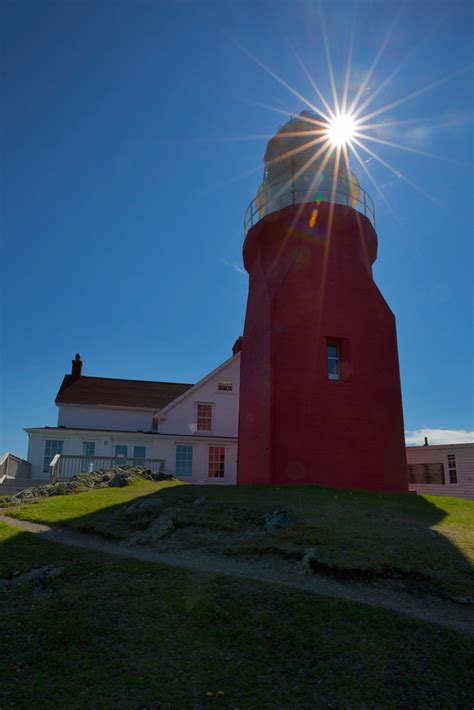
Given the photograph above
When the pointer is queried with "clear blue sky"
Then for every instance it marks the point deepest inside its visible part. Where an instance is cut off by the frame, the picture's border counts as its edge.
(124, 186)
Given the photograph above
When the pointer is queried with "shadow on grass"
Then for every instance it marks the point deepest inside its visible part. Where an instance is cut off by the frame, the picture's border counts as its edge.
(356, 535)
(117, 632)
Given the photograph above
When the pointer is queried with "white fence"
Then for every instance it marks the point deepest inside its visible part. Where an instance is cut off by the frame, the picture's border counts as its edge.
(63, 467)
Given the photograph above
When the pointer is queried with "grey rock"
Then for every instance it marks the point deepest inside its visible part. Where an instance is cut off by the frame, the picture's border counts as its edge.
(200, 501)
(38, 574)
(160, 527)
(160, 476)
(132, 510)
(275, 520)
(144, 506)
(171, 513)
(150, 503)
(121, 479)
(309, 557)
(114, 477)
(463, 600)
(55, 572)
(138, 538)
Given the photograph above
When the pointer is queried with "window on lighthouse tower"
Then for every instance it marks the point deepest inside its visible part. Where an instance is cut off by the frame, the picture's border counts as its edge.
(333, 361)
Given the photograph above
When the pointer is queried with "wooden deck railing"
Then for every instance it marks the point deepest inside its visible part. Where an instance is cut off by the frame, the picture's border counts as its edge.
(64, 466)
(12, 466)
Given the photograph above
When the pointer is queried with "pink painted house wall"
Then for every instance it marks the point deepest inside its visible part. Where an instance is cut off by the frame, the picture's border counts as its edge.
(464, 457)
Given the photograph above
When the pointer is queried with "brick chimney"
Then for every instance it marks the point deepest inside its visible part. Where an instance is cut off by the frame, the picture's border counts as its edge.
(76, 370)
(237, 346)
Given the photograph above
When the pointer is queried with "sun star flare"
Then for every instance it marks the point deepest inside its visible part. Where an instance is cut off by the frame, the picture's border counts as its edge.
(341, 129)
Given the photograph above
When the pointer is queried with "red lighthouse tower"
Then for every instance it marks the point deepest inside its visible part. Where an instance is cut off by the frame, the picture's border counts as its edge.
(320, 397)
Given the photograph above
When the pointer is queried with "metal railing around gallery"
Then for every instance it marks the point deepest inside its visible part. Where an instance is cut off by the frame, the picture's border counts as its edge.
(295, 194)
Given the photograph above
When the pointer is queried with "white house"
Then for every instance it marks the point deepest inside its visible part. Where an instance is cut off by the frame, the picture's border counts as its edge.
(442, 470)
(184, 429)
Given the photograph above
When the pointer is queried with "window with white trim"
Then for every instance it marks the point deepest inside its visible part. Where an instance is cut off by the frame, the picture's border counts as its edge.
(184, 460)
(225, 386)
(121, 451)
(216, 467)
(453, 476)
(139, 455)
(88, 448)
(426, 473)
(51, 448)
(204, 417)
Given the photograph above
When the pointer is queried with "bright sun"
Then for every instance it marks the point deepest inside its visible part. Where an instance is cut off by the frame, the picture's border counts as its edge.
(341, 129)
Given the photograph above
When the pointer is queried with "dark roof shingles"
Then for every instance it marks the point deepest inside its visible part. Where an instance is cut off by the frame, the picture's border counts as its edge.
(119, 393)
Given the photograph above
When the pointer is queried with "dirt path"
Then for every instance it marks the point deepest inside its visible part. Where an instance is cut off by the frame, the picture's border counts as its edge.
(272, 571)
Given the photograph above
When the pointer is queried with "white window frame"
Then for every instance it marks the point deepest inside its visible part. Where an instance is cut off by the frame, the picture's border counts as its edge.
(452, 469)
(191, 446)
(52, 453)
(89, 441)
(204, 404)
(216, 446)
(90, 462)
(227, 386)
(120, 446)
(139, 458)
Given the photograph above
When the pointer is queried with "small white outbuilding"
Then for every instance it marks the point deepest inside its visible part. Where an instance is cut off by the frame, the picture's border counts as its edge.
(442, 470)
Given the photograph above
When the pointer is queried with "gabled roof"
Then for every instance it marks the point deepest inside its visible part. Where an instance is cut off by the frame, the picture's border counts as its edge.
(194, 388)
(140, 394)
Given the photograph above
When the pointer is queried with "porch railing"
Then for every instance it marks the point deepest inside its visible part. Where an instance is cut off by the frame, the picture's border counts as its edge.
(12, 466)
(64, 466)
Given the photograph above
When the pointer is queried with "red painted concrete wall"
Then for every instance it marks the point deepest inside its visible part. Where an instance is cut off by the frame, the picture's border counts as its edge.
(296, 425)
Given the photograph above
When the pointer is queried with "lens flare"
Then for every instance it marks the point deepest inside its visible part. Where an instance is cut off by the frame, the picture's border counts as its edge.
(341, 129)
(344, 127)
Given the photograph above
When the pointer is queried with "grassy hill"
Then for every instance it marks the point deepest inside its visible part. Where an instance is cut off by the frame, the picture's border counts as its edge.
(94, 630)
(426, 539)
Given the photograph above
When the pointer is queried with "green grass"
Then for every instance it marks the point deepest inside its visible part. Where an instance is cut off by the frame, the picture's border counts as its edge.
(355, 532)
(94, 510)
(112, 632)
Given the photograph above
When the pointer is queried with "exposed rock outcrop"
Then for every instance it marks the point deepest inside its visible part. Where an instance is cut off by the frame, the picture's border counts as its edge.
(115, 477)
